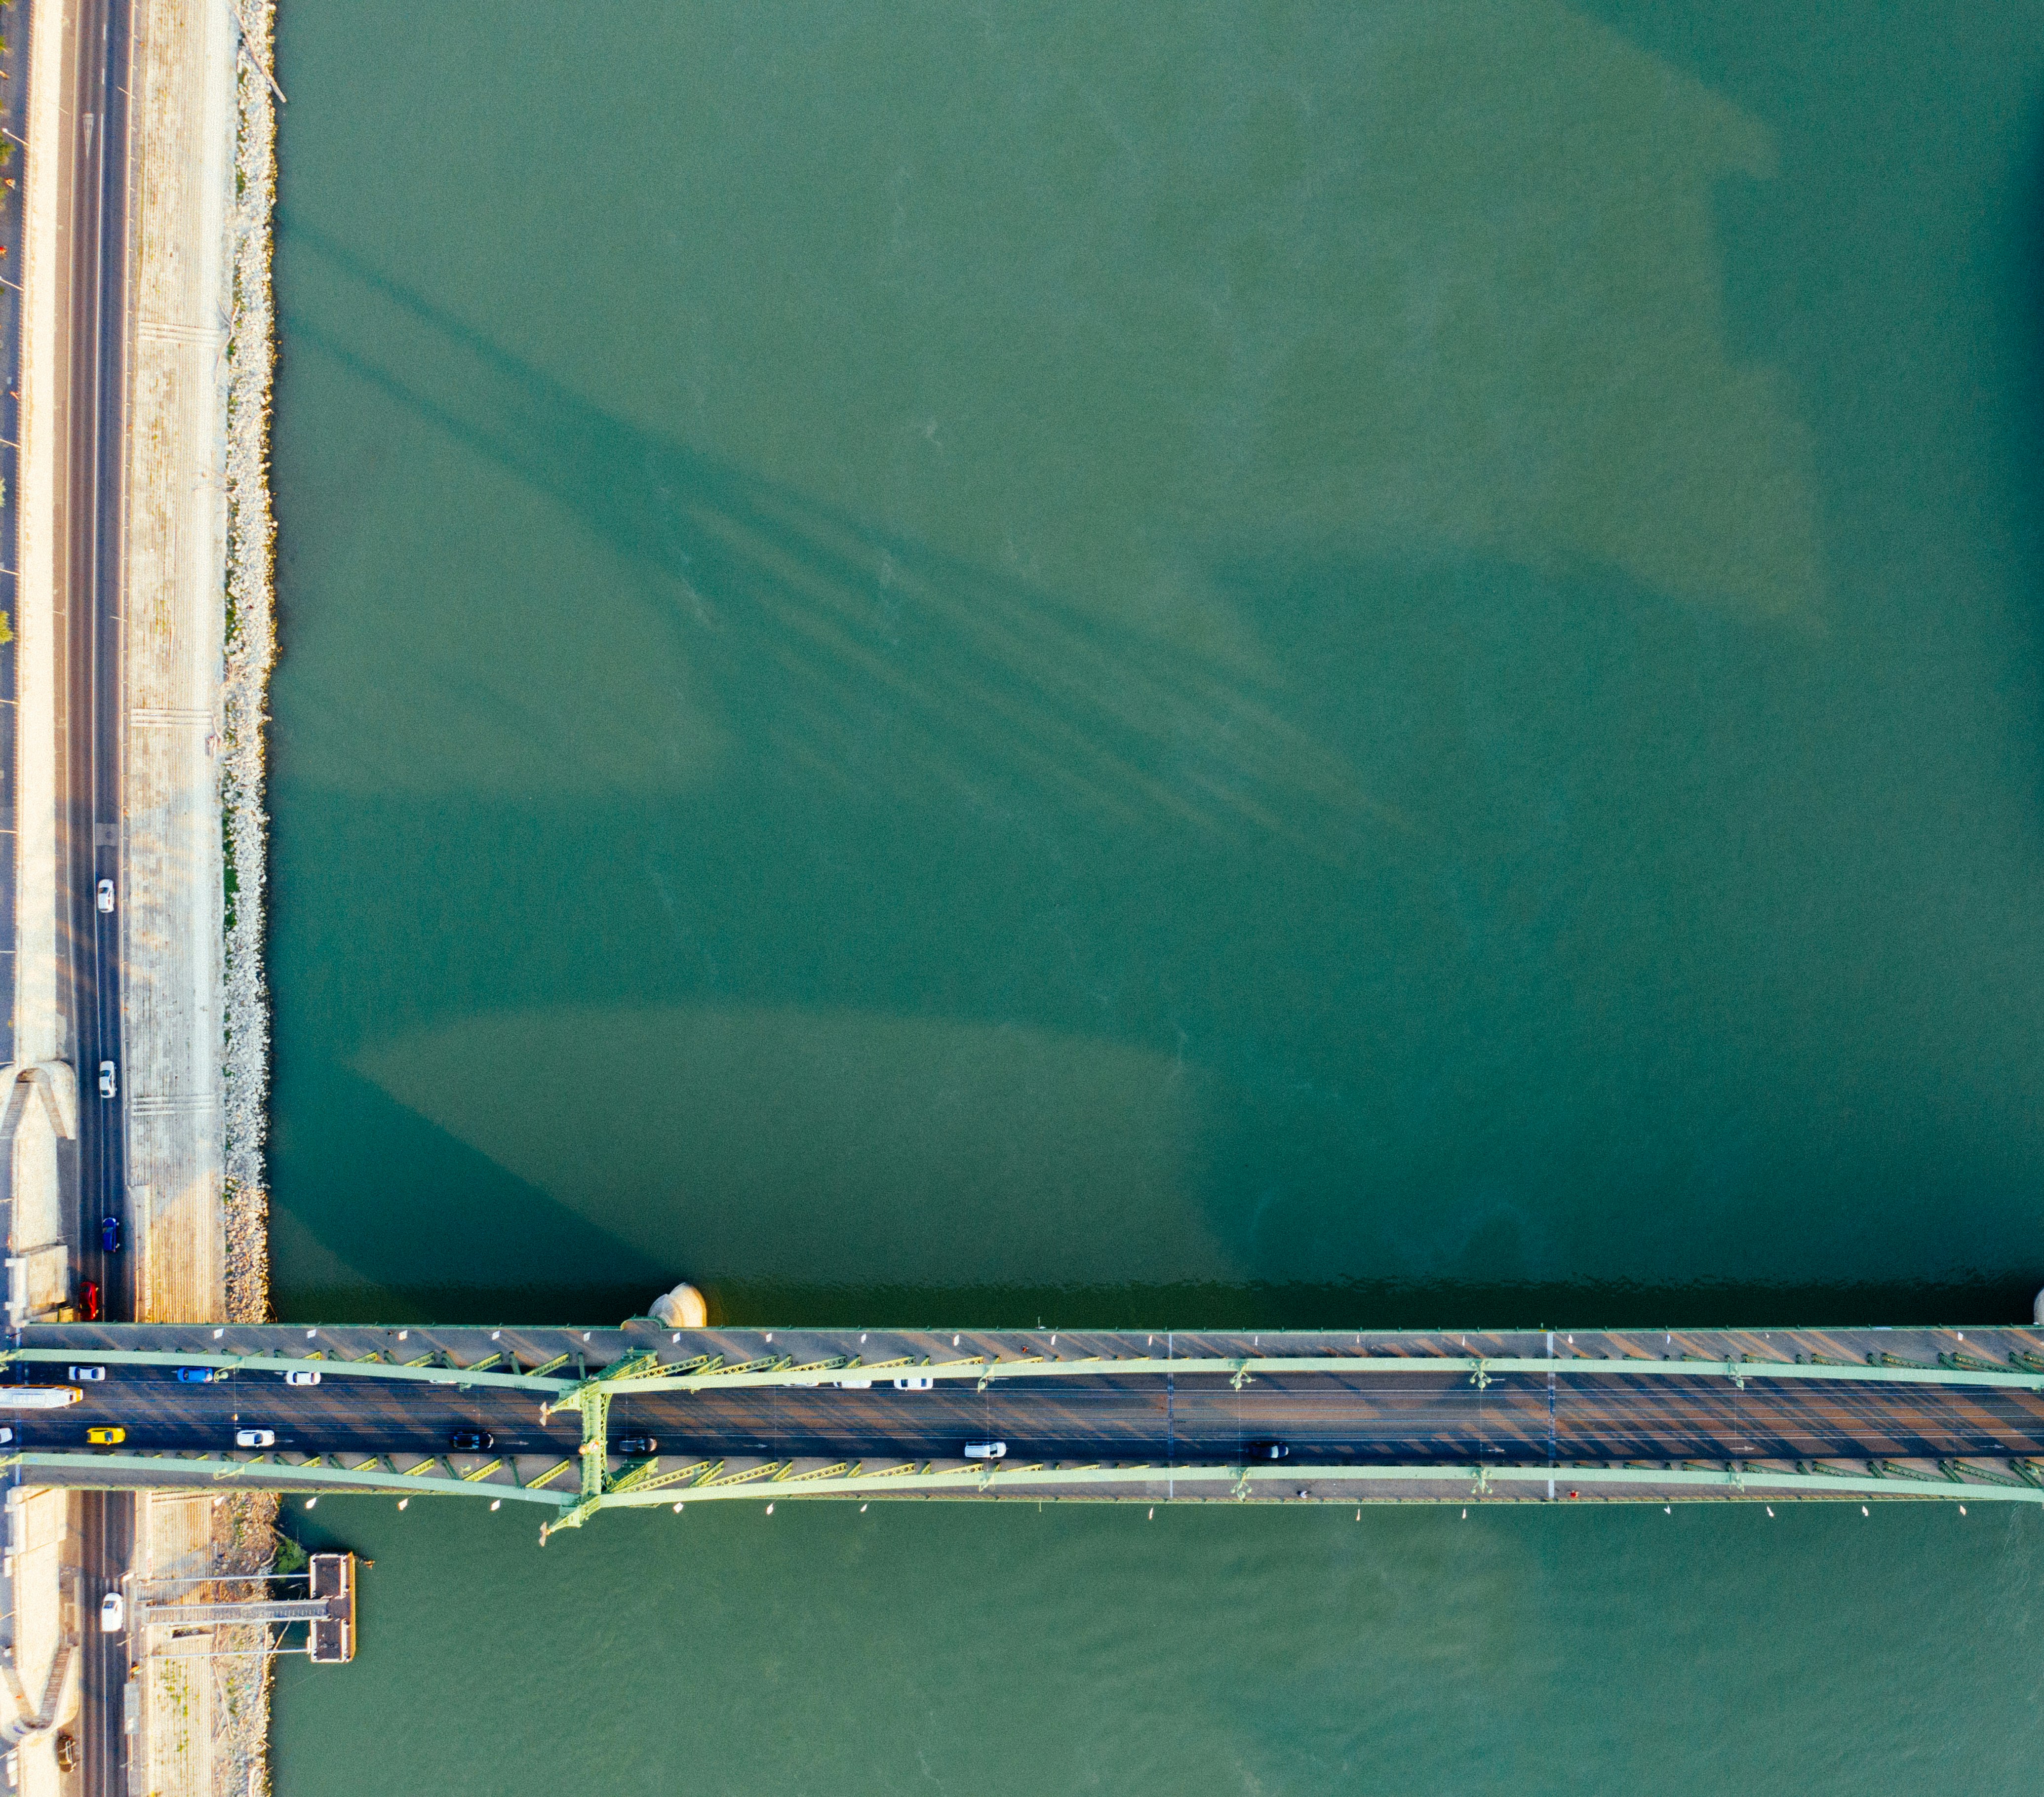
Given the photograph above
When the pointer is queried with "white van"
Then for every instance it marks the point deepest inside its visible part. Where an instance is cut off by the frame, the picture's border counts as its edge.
(986, 1450)
(917, 1384)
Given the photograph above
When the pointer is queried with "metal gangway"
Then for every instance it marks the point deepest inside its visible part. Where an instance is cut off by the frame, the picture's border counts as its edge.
(193, 1608)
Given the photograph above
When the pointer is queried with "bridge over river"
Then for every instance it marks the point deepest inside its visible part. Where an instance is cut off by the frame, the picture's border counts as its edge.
(1450, 1416)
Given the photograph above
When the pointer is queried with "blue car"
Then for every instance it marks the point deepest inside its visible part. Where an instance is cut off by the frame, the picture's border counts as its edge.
(109, 1234)
(200, 1375)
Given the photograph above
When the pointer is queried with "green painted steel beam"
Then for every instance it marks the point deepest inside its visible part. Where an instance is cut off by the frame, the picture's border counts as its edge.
(1473, 1367)
(571, 1517)
(272, 1475)
(1190, 1482)
(566, 1394)
(1214, 1479)
(593, 1399)
(595, 1450)
(327, 1368)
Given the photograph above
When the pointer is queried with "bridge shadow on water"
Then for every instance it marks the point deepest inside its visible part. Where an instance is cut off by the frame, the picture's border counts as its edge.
(869, 665)
(868, 668)
(877, 670)
(884, 662)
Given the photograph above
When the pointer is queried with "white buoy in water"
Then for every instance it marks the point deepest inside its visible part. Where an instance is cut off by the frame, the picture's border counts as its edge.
(682, 1308)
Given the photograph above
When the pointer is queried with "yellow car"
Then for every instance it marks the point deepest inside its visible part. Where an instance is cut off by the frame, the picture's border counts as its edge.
(107, 1437)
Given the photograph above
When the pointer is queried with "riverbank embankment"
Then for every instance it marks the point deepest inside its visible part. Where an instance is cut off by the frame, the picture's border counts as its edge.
(174, 565)
(195, 550)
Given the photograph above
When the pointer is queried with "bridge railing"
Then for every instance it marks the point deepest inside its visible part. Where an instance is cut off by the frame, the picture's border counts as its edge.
(705, 1482)
(644, 1373)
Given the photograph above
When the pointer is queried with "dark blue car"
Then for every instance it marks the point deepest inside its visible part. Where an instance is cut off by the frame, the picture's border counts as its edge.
(109, 1234)
(200, 1375)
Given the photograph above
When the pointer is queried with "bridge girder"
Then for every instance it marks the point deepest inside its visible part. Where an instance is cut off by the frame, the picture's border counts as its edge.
(1244, 1370)
(1186, 1481)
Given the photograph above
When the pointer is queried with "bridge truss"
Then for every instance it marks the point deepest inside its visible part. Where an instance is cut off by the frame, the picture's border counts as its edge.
(1458, 1417)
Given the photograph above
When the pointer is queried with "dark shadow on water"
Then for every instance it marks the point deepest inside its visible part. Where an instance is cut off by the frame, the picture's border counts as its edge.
(1505, 1077)
(875, 672)
(393, 1196)
(1365, 1304)
(1252, 1304)
(885, 664)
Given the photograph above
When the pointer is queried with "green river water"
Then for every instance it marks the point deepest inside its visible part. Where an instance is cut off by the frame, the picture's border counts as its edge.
(1349, 663)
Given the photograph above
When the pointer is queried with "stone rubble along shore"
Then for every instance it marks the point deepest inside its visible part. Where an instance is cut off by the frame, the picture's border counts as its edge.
(239, 1758)
(251, 649)
(205, 1724)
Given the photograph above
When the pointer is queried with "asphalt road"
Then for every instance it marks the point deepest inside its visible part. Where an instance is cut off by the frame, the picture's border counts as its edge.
(91, 837)
(1325, 1419)
(15, 115)
(93, 833)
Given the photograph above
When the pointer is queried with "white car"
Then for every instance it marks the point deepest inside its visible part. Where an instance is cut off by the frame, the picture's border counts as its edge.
(113, 1613)
(305, 1377)
(853, 1384)
(916, 1385)
(87, 1374)
(986, 1450)
(255, 1438)
(107, 1084)
(104, 895)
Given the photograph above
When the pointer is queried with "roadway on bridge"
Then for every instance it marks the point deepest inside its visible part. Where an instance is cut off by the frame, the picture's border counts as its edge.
(1329, 1418)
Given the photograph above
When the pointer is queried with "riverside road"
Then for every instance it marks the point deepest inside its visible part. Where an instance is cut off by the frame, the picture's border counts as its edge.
(95, 183)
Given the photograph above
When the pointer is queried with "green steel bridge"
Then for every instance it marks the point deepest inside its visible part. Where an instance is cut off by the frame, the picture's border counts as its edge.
(577, 1421)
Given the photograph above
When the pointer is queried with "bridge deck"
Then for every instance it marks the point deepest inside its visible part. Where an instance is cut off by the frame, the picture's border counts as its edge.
(1144, 1415)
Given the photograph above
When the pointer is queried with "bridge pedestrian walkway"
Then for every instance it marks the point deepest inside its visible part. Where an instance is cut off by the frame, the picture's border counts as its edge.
(1146, 1416)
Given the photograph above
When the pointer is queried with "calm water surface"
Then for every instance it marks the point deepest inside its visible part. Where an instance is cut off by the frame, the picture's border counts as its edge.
(1351, 663)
